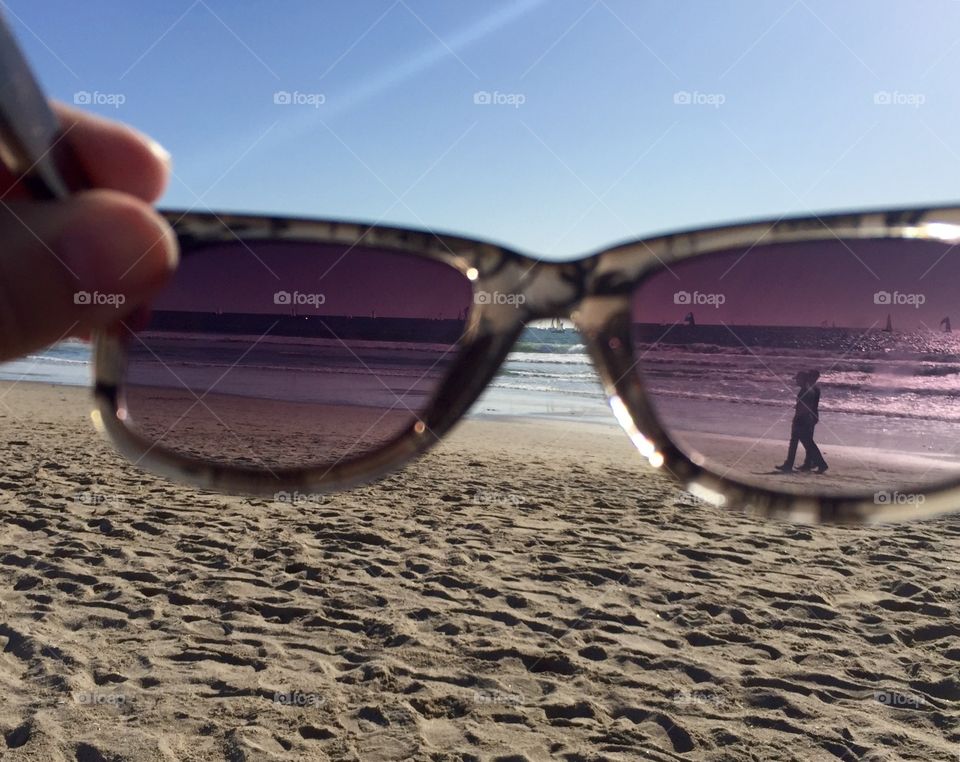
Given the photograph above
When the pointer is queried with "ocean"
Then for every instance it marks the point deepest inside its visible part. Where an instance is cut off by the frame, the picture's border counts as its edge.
(910, 380)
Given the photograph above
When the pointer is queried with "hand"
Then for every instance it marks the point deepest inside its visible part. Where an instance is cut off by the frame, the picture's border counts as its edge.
(107, 241)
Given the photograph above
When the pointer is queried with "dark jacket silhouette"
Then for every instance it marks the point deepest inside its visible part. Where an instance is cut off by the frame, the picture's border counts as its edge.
(807, 411)
(806, 415)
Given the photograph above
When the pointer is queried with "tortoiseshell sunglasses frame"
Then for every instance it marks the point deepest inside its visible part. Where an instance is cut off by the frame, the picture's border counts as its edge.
(593, 292)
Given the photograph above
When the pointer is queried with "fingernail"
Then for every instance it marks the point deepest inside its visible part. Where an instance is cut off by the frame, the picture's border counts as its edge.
(167, 242)
(159, 151)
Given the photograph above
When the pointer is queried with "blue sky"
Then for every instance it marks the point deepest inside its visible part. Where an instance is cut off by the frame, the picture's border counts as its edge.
(584, 143)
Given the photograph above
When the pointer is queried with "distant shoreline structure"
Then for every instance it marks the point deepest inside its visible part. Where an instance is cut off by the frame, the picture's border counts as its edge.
(439, 331)
(449, 331)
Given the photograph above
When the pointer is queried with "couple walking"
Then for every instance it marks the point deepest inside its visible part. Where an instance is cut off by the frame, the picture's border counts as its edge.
(805, 418)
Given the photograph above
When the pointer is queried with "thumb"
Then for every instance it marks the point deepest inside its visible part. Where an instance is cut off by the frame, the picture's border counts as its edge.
(71, 266)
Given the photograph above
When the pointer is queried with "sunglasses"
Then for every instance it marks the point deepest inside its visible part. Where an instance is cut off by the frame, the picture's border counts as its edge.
(294, 354)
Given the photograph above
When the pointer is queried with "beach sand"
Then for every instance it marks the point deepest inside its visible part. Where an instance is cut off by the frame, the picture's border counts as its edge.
(528, 591)
(754, 461)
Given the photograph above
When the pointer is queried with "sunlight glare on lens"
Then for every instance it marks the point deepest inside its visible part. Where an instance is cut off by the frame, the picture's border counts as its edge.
(644, 445)
(943, 231)
(706, 494)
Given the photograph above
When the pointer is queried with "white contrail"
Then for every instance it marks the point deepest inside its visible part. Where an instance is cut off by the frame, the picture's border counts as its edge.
(299, 121)
(395, 73)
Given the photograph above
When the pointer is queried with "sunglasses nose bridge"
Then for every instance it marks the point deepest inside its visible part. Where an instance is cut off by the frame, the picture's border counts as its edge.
(551, 289)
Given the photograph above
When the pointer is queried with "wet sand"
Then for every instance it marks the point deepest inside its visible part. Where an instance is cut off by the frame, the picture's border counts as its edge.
(851, 470)
(528, 591)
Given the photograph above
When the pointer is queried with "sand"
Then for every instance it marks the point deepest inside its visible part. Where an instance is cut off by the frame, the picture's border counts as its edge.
(528, 591)
(850, 468)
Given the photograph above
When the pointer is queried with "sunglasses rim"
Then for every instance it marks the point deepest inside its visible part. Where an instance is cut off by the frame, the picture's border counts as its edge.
(594, 292)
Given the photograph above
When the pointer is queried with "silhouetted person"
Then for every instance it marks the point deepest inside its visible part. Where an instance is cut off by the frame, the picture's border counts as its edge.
(805, 418)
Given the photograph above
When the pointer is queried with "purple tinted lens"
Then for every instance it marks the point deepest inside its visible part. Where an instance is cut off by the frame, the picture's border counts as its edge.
(286, 354)
(837, 358)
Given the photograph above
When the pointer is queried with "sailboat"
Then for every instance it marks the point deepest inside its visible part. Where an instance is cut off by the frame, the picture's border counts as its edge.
(689, 320)
(945, 324)
(556, 325)
(888, 328)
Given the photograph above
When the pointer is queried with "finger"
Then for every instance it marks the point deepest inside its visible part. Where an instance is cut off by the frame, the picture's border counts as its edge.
(115, 155)
(112, 154)
(72, 266)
